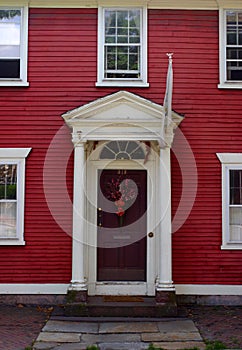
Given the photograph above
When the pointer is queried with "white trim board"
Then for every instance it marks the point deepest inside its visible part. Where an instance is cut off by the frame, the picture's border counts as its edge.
(181, 289)
(208, 289)
(33, 288)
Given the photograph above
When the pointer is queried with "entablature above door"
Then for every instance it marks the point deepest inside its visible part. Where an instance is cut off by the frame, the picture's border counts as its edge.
(123, 116)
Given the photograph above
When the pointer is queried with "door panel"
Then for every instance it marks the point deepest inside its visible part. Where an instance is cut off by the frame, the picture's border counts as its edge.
(121, 221)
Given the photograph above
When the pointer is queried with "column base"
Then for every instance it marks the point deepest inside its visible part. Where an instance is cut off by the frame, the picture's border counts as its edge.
(166, 303)
(77, 293)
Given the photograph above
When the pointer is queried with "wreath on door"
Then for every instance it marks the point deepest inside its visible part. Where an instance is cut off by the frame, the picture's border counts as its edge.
(122, 191)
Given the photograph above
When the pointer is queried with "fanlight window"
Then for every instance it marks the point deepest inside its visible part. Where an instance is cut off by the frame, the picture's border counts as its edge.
(122, 150)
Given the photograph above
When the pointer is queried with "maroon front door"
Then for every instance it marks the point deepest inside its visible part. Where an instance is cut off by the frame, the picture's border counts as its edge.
(121, 221)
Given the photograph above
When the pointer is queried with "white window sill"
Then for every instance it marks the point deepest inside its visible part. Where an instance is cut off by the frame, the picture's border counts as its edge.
(117, 83)
(232, 246)
(12, 241)
(14, 83)
(235, 85)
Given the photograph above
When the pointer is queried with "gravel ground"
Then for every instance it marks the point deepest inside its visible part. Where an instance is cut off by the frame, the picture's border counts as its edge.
(218, 323)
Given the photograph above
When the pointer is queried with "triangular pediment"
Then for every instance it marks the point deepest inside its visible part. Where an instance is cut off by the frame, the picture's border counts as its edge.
(121, 115)
(120, 106)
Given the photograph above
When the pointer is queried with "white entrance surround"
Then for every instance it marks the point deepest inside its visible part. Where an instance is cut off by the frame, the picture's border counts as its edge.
(121, 116)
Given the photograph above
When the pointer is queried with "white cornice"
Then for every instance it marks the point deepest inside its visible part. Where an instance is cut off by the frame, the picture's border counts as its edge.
(151, 4)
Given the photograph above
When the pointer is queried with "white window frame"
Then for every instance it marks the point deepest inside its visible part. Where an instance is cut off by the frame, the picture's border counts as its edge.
(229, 161)
(101, 81)
(224, 84)
(22, 80)
(16, 156)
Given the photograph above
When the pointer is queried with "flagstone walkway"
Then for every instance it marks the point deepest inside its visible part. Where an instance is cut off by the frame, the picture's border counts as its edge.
(74, 333)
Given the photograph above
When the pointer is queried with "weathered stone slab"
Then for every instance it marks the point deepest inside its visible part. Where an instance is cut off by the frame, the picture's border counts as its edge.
(59, 337)
(179, 345)
(110, 338)
(178, 326)
(171, 337)
(44, 345)
(123, 346)
(71, 346)
(70, 327)
(128, 327)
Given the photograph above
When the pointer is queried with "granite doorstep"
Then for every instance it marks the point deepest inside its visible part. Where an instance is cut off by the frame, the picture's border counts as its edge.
(70, 327)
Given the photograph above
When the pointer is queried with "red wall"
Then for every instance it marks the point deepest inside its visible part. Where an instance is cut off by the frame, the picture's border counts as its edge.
(62, 75)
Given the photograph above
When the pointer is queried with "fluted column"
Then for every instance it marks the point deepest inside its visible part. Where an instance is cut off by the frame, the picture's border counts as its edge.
(164, 282)
(78, 281)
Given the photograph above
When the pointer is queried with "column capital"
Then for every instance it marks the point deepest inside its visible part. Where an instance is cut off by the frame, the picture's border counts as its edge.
(77, 139)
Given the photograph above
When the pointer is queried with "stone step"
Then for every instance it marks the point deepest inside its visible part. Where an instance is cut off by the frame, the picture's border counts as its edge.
(98, 307)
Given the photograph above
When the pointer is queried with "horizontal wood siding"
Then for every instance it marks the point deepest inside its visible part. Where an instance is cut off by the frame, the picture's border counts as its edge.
(62, 74)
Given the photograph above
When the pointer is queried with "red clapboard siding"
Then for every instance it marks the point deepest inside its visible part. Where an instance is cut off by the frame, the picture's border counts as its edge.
(62, 70)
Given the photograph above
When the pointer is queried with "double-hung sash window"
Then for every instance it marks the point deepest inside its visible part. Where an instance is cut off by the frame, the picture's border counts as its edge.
(122, 47)
(12, 171)
(232, 199)
(231, 48)
(13, 46)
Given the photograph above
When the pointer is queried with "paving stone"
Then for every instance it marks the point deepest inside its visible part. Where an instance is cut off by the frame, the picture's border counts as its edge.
(177, 326)
(128, 327)
(152, 337)
(179, 345)
(123, 346)
(70, 327)
(75, 346)
(44, 345)
(59, 337)
(110, 338)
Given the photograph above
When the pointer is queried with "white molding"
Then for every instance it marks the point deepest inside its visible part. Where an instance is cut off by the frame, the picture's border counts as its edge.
(17, 156)
(142, 82)
(61, 289)
(208, 289)
(25, 288)
(121, 116)
(14, 153)
(122, 288)
(224, 6)
(230, 158)
(22, 81)
(228, 161)
(157, 4)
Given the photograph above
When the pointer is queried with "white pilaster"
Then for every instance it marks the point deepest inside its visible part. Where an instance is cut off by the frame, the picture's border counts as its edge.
(78, 281)
(164, 282)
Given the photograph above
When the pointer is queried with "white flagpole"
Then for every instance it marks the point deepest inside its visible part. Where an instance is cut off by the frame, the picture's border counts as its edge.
(168, 96)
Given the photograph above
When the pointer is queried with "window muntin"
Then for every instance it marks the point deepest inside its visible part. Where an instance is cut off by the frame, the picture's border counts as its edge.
(233, 45)
(12, 189)
(8, 200)
(122, 44)
(231, 200)
(235, 205)
(13, 45)
(122, 150)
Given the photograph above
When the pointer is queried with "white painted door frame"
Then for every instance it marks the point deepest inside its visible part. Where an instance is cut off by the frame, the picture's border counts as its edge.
(124, 288)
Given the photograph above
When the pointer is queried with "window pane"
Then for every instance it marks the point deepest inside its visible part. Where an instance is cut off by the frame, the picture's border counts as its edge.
(8, 220)
(235, 224)
(9, 51)
(8, 181)
(10, 36)
(122, 150)
(122, 27)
